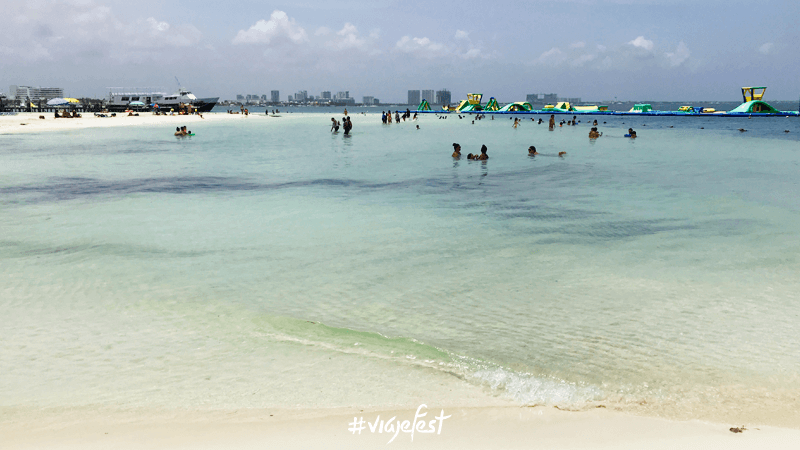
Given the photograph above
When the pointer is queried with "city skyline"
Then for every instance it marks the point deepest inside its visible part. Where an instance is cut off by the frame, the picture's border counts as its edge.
(594, 49)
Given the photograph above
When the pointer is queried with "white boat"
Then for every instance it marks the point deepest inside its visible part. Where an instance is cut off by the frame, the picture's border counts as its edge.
(120, 99)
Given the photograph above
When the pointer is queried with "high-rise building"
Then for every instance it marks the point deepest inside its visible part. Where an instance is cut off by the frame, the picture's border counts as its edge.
(443, 97)
(413, 97)
(275, 96)
(239, 97)
(34, 93)
(289, 99)
(263, 97)
(550, 98)
(326, 95)
(341, 95)
(429, 95)
(368, 100)
(532, 98)
(573, 100)
(301, 96)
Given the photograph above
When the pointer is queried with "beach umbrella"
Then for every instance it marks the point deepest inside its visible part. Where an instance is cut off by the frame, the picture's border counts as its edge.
(72, 100)
(58, 102)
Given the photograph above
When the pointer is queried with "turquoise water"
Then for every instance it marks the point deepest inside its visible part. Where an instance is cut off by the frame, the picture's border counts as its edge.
(266, 263)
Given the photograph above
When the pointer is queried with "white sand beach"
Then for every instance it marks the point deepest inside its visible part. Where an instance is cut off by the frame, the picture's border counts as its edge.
(467, 428)
(31, 123)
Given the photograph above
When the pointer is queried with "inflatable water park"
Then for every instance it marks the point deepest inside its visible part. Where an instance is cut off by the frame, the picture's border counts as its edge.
(753, 105)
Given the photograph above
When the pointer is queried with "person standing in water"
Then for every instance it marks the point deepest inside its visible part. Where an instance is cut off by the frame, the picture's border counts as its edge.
(334, 125)
(552, 123)
(456, 150)
(347, 125)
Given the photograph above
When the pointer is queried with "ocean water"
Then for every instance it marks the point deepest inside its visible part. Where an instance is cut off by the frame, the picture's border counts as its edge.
(267, 263)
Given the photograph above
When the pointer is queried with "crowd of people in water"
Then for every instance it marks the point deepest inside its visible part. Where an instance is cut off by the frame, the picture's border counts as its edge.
(182, 131)
(346, 124)
(386, 117)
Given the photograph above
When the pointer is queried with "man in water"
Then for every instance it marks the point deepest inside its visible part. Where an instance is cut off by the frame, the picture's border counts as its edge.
(594, 134)
(532, 151)
(456, 150)
(334, 125)
(347, 125)
(631, 133)
(552, 123)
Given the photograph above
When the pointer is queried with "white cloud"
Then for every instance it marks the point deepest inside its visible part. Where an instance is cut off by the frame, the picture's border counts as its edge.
(156, 25)
(82, 30)
(579, 44)
(552, 57)
(680, 55)
(420, 46)
(641, 42)
(766, 48)
(583, 59)
(348, 37)
(460, 34)
(279, 27)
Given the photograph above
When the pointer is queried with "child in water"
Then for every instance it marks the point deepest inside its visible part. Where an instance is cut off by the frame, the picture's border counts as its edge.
(457, 151)
(482, 157)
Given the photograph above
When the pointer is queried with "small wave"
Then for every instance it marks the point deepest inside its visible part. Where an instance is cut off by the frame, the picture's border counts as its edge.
(529, 390)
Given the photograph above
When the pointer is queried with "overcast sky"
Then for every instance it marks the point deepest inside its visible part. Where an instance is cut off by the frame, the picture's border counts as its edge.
(594, 49)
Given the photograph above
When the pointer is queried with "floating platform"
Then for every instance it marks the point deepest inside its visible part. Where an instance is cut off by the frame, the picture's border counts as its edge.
(621, 113)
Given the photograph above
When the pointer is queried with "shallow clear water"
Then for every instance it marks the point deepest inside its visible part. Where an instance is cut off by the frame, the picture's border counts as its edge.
(268, 263)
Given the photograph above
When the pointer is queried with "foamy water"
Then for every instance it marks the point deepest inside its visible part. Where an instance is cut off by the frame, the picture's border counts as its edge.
(266, 263)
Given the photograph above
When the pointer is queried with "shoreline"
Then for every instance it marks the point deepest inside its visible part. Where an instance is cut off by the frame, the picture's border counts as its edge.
(23, 123)
(463, 428)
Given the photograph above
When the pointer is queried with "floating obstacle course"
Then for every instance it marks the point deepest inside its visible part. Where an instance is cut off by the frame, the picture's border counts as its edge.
(753, 105)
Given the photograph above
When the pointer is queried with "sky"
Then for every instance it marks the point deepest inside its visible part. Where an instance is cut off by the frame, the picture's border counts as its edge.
(667, 50)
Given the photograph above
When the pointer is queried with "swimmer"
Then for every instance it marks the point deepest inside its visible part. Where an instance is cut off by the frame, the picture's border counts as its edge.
(178, 131)
(418, 127)
(631, 133)
(594, 134)
(562, 154)
(594, 123)
(532, 151)
(483, 156)
(457, 151)
(552, 123)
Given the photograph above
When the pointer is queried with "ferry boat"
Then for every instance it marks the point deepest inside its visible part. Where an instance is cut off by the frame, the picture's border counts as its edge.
(121, 99)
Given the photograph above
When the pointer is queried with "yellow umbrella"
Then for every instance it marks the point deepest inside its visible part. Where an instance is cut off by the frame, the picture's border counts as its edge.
(72, 100)
(33, 106)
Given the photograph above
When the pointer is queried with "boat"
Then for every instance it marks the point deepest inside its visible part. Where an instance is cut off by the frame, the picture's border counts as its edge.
(121, 99)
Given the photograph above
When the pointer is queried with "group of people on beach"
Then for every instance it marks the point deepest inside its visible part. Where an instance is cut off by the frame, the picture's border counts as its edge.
(66, 114)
